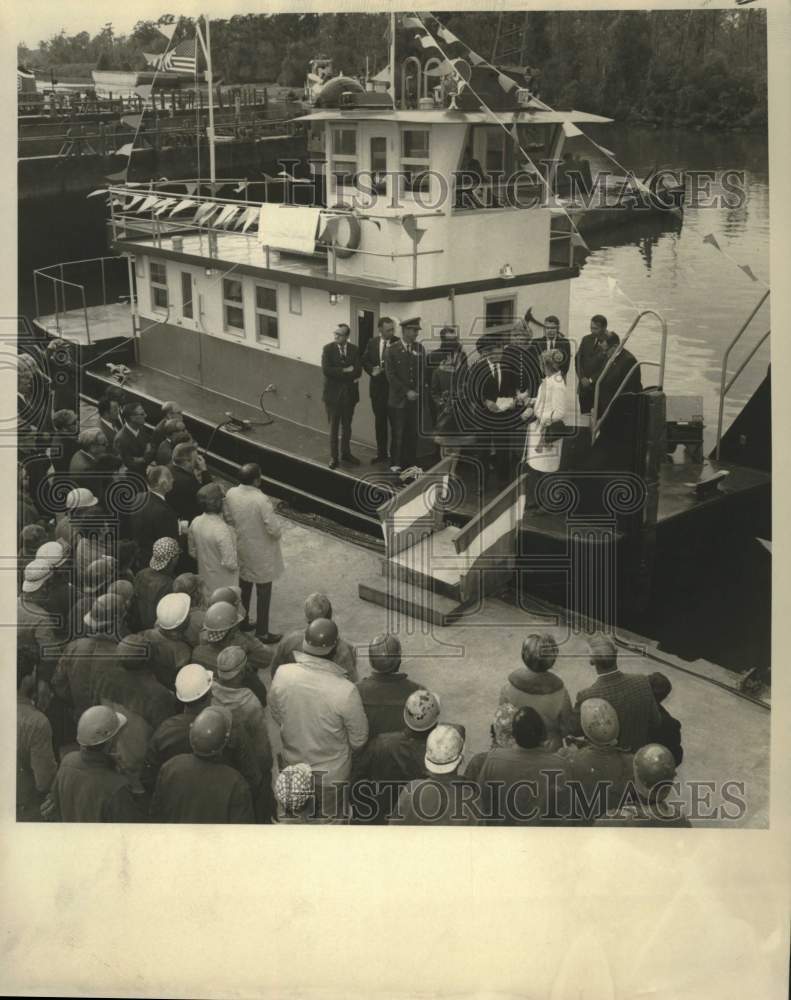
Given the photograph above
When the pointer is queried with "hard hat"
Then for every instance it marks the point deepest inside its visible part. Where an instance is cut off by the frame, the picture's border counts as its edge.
(209, 732)
(79, 498)
(421, 710)
(53, 552)
(294, 786)
(599, 721)
(444, 748)
(97, 725)
(163, 551)
(385, 653)
(187, 583)
(192, 682)
(231, 662)
(653, 765)
(172, 610)
(99, 574)
(230, 595)
(321, 637)
(219, 619)
(105, 612)
(122, 589)
(37, 573)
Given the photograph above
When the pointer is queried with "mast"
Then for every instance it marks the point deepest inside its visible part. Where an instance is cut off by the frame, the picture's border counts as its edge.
(206, 46)
(392, 58)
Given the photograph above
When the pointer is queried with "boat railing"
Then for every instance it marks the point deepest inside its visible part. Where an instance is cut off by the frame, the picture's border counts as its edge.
(156, 227)
(97, 274)
(725, 388)
(596, 420)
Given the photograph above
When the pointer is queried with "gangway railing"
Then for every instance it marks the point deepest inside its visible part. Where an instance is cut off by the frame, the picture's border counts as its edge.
(596, 421)
(54, 276)
(725, 389)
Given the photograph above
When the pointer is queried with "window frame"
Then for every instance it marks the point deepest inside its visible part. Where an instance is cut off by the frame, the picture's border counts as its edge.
(187, 306)
(227, 303)
(295, 300)
(350, 162)
(155, 286)
(499, 327)
(266, 341)
(407, 163)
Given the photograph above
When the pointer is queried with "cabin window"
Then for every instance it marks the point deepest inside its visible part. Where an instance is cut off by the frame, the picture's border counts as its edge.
(415, 154)
(233, 306)
(186, 295)
(158, 279)
(379, 163)
(495, 152)
(344, 156)
(295, 300)
(265, 314)
(560, 242)
(500, 313)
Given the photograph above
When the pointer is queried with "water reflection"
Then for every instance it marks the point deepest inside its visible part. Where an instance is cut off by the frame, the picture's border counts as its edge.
(664, 264)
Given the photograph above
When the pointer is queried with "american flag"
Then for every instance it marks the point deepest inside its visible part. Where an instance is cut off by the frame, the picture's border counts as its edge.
(181, 59)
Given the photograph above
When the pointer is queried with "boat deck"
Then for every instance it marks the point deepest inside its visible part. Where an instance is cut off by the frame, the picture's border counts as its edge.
(305, 452)
(95, 323)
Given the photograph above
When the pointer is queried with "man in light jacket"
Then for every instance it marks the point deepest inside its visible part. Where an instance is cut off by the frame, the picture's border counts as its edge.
(321, 716)
(258, 543)
(213, 542)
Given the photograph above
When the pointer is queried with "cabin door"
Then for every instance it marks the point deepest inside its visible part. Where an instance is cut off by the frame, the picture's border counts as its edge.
(363, 320)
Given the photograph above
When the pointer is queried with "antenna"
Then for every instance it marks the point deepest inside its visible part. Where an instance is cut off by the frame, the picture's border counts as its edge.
(206, 46)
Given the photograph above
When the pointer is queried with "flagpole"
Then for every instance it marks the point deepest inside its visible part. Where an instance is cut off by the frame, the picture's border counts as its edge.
(392, 58)
(212, 165)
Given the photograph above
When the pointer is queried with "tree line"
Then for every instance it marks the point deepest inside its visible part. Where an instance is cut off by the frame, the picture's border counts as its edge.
(690, 67)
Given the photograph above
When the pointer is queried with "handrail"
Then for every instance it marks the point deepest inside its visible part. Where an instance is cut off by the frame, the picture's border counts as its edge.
(723, 388)
(596, 423)
(59, 280)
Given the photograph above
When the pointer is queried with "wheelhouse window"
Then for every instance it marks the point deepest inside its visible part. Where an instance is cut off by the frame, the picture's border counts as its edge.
(415, 158)
(560, 242)
(233, 306)
(266, 328)
(500, 313)
(344, 156)
(379, 163)
(186, 295)
(158, 280)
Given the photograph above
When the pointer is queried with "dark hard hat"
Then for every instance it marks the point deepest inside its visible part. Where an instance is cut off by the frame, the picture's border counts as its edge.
(653, 765)
(321, 637)
(221, 617)
(227, 594)
(97, 725)
(209, 732)
(385, 653)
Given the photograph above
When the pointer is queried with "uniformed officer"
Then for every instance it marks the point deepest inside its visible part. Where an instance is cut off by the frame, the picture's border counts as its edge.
(404, 366)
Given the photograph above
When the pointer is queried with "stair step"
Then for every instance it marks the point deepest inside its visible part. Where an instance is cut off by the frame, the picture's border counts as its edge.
(407, 574)
(410, 599)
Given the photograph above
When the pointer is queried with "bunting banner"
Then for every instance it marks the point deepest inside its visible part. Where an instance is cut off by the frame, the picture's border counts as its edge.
(163, 206)
(183, 205)
(144, 90)
(132, 121)
(98, 191)
(190, 187)
(120, 178)
(125, 150)
(745, 268)
(226, 215)
(133, 201)
(167, 25)
(250, 216)
(748, 271)
(711, 238)
(206, 209)
(241, 187)
(148, 203)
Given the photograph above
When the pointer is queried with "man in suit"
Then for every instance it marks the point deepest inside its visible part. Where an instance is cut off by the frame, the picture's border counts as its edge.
(520, 362)
(589, 361)
(132, 441)
(154, 518)
(188, 469)
(373, 363)
(487, 382)
(340, 363)
(630, 695)
(110, 421)
(618, 436)
(85, 465)
(404, 367)
(551, 340)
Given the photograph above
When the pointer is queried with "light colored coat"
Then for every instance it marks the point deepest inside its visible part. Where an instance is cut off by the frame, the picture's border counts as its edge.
(550, 406)
(320, 714)
(258, 533)
(213, 543)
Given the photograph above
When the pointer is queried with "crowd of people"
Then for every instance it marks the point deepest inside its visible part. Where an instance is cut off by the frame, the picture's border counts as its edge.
(508, 404)
(151, 687)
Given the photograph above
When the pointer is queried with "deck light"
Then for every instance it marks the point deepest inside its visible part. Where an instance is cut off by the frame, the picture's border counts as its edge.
(334, 298)
(506, 271)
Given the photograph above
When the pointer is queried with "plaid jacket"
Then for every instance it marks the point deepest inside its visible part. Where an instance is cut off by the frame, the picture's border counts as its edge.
(632, 698)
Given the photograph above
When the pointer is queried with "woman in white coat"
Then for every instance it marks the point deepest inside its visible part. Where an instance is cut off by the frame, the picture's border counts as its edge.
(542, 416)
(213, 542)
(258, 534)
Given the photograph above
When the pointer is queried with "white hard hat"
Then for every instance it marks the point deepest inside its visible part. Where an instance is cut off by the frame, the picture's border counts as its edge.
(192, 682)
(37, 573)
(52, 552)
(172, 610)
(79, 498)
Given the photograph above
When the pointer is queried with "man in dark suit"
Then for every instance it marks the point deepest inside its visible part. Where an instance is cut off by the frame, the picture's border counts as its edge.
(486, 383)
(630, 695)
(373, 363)
(551, 340)
(618, 438)
(155, 518)
(404, 367)
(132, 442)
(110, 421)
(589, 361)
(189, 474)
(340, 363)
(520, 362)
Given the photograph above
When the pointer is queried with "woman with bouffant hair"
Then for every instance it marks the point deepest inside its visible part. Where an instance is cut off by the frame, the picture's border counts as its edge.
(544, 418)
(536, 686)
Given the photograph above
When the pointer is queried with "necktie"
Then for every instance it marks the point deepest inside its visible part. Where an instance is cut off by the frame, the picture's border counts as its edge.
(343, 354)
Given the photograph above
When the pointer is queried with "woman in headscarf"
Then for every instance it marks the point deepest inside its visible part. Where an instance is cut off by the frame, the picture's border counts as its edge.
(544, 418)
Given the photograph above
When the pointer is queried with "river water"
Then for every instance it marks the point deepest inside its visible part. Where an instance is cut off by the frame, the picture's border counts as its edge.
(702, 294)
